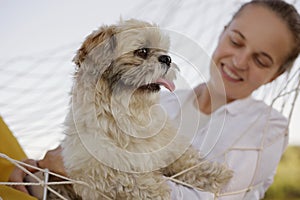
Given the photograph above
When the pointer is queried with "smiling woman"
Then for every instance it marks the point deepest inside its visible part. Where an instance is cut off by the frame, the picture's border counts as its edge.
(251, 52)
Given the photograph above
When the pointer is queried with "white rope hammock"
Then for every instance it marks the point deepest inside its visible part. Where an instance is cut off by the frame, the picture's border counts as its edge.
(283, 95)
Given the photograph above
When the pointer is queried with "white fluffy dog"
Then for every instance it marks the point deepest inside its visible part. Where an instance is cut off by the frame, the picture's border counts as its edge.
(117, 141)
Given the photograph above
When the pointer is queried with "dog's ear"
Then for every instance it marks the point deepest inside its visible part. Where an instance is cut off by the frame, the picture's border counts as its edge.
(98, 45)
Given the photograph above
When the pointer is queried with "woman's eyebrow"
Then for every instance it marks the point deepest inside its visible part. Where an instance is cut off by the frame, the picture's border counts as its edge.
(239, 33)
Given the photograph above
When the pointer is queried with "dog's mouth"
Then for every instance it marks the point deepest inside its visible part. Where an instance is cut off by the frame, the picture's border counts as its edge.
(154, 87)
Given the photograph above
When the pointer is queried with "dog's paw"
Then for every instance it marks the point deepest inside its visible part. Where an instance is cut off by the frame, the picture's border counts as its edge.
(217, 178)
(207, 176)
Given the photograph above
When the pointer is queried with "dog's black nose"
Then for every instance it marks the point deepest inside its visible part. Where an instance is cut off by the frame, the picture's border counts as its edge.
(165, 59)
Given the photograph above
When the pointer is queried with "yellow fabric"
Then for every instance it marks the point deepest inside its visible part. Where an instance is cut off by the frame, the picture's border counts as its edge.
(8, 193)
(10, 146)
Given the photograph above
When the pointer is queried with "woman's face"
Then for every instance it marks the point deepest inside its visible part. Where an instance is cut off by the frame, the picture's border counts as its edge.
(250, 51)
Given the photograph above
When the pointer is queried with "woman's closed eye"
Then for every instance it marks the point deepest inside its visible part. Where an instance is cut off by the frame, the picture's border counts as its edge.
(235, 42)
(262, 60)
(236, 38)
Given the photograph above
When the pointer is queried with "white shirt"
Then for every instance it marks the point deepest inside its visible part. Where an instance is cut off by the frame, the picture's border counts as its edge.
(247, 135)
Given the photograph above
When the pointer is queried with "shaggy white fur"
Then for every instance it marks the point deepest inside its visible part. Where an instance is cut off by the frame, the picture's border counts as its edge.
(117, 140)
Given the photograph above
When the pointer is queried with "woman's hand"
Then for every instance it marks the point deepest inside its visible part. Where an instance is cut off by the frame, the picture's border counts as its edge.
(18, 175)
(52, 161)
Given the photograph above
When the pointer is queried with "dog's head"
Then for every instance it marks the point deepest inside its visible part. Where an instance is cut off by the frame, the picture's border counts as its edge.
(130, 55)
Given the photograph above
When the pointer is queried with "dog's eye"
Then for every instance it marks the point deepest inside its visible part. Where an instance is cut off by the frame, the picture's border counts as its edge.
(143, 53)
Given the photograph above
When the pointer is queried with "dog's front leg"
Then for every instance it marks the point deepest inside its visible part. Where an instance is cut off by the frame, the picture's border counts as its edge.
(199, 172)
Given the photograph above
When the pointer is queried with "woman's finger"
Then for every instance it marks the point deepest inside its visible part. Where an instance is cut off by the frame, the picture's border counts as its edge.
(18, 175)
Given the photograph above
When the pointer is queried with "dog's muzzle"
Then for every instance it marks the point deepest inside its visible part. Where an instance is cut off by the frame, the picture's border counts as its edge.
(165, 59)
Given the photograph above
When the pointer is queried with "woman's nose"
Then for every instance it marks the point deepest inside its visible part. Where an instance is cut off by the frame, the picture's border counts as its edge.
(241, 60)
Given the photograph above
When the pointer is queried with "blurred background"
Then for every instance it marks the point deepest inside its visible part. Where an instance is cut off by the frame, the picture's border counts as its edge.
(39, 39)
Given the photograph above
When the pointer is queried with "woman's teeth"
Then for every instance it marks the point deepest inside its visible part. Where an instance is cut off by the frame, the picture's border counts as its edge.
(230, 74)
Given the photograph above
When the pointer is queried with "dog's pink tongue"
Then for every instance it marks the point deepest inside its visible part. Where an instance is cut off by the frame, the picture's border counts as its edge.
(168, 84)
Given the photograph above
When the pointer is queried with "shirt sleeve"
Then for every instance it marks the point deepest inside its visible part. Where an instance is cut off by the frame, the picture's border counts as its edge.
(273, 144)
(271, 156)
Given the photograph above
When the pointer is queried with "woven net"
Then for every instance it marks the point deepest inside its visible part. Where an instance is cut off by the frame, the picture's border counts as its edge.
(35, 89)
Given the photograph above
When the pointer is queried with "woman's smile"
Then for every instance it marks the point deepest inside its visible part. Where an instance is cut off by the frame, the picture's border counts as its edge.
(229, 74)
